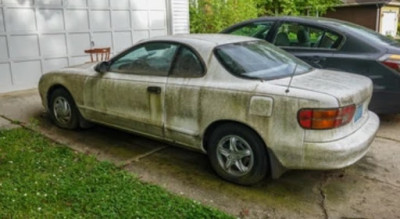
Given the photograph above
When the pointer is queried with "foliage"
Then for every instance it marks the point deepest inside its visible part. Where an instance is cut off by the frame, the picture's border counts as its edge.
(41, 179)
(298, 7)
(211, 16)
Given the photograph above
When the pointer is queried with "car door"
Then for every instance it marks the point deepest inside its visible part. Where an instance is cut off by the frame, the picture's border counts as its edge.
(182, 98)
(312, 44)
(131, 94)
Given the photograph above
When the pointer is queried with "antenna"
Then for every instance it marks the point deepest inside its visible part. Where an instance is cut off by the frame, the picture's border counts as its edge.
(291, 78)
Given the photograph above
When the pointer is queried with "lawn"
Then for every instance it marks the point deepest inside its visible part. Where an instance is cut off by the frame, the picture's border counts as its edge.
(40, 178)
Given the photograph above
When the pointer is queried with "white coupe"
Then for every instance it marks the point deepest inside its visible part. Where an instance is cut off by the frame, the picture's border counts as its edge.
(253, 108)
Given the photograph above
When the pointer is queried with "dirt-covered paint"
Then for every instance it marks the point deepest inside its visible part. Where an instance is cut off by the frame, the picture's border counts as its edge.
(185, 108)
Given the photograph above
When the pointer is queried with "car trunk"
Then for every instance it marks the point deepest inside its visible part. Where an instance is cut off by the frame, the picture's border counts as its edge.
(347, 88)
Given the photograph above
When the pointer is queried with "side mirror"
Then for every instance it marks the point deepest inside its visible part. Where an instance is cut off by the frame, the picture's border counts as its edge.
(102, 67)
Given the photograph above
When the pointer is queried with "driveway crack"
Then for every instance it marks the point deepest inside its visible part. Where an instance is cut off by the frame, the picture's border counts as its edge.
(137, 158)
(381, 181)
(322, 203)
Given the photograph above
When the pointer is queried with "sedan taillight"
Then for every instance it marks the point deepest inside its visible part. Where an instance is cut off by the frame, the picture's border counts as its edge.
(325, 118)
(392, 61)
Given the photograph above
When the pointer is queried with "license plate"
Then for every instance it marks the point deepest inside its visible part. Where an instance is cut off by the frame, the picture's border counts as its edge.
(358, 113)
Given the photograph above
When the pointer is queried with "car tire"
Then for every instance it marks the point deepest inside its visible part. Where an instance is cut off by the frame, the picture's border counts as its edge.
(63, 111)
(238, 154)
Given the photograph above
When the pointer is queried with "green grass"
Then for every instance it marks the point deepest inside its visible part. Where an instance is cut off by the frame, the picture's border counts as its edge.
(39, 178)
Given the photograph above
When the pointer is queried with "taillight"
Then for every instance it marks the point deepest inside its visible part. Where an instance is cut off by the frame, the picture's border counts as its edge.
(392, 61)
(325, 118)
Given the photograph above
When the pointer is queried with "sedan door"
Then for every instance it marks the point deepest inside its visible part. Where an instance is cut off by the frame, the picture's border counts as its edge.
(314, 45)
(131, 94)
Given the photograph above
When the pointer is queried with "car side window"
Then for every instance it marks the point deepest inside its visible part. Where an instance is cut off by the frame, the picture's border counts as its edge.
(148, 59)
(299, 35)
(258, 29)
(187, 64)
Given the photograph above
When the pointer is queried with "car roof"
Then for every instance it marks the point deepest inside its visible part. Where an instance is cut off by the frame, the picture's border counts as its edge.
(208, 40)
(320, 21)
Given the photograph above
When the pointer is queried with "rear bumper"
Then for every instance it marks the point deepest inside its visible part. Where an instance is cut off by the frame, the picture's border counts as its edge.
(343, 152)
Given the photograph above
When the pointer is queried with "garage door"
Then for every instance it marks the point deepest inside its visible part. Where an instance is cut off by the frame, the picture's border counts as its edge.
(37, 36)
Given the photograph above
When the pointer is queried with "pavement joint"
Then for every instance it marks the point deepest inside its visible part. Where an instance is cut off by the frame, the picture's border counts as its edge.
(137, 158)
(388, 138)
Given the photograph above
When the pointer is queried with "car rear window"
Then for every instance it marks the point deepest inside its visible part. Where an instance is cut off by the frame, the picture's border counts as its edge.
(259, 60)
(368, 34)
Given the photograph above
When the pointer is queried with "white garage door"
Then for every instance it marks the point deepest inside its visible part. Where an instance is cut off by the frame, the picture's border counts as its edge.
(37, 36)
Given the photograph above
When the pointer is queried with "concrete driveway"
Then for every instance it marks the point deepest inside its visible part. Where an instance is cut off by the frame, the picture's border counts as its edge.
(368, 189)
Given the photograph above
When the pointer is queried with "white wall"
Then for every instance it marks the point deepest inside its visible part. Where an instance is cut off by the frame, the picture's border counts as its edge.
(37, 36)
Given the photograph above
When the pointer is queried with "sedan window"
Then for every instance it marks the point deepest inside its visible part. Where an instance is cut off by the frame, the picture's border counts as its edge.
(147, 59)
(298, 35)
(258, 59)
(258, 30)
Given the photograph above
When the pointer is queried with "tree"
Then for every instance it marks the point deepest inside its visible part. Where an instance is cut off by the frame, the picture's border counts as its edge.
(298, 7)
(211, 16)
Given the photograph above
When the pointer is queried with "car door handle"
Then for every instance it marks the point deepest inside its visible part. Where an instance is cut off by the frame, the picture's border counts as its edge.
(154, 89)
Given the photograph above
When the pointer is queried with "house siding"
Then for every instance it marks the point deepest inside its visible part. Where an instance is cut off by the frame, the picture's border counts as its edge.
(364, 15)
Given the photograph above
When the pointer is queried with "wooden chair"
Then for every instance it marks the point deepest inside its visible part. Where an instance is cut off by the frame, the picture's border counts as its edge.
(99, 54)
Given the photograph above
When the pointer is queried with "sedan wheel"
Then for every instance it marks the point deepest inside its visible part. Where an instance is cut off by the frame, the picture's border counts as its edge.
(63, 110)
(238, 154)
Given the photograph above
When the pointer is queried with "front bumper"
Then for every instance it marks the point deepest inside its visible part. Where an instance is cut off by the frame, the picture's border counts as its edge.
(343, 152)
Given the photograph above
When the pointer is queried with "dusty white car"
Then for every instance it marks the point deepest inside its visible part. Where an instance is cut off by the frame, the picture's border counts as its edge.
(253, 108)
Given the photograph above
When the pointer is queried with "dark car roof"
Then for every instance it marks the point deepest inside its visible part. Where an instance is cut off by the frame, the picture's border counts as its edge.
(320, 21)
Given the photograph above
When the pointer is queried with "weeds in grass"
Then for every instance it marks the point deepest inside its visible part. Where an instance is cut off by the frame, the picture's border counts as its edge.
(39, 178)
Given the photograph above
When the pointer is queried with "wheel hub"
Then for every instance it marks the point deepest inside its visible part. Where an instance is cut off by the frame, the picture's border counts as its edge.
(235, 155)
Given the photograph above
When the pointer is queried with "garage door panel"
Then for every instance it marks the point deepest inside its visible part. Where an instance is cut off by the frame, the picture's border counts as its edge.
(50, 20)
(102, 39)
(20, 19)
(154, 33)
(24, 46)
(14, 2)
(75, 3)
(122, 40)
(5, 75)
(53, 45)
(38, 36)
(120, 4)
(99, 4)
(54, 64)
(100, 20)
(77, 43)
(140, 20)
(158, 20)
(1, 21)
(26, 73)
(157, 4)
(49, 2)
(77, 20)
(79, 60)
(140, 35)
(139, 5)
(3, 50)
(121, 20)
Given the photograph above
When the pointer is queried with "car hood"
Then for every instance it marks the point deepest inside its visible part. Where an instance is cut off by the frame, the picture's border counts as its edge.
(345, 87)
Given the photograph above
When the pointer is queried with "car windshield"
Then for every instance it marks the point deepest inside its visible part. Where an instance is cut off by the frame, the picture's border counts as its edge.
(368, 34)
(260, 60)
